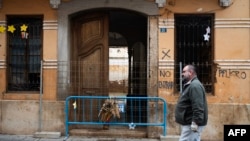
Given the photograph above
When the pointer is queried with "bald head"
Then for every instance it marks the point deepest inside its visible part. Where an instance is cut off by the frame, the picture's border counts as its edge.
(188, 73)
(192, 69)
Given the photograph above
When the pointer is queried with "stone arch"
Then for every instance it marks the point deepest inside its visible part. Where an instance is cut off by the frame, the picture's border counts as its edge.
(148, 8)
(74, 6)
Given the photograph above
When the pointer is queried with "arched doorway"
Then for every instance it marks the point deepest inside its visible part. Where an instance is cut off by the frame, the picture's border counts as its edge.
(109, 48)
(140, 48)
(122, 12)
(112, 48)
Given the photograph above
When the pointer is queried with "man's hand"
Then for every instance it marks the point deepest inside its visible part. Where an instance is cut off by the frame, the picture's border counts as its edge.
(194, 127)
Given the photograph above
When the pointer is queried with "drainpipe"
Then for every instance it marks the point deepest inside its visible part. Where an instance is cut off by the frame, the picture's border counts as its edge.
(40, 98)
(180, 78)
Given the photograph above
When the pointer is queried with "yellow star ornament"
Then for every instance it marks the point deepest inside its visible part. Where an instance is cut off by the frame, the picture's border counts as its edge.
(24, 28)
(11, 28)
(74, 105)
(2, 29)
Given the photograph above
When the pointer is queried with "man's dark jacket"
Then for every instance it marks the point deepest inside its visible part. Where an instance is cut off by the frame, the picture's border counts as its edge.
(192, 104)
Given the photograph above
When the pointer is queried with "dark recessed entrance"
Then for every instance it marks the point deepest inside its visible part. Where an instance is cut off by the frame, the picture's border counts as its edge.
(109, 51)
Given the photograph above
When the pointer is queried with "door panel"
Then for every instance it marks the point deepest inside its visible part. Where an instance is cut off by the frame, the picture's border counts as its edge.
(90, 49)
(91, 70)
(92, 53)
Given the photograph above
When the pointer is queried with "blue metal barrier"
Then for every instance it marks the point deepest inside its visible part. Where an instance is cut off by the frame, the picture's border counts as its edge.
(134, 111)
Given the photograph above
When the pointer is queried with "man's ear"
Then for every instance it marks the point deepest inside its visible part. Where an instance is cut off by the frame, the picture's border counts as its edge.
(190, 72)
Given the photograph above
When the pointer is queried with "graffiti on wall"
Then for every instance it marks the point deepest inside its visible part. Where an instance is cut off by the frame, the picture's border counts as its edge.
(164, 73)
(165, 54)
(229, 73)
(165, 84)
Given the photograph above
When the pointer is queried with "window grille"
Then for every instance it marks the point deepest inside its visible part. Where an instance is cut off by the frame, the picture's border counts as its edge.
(24, 53)
(194, 45)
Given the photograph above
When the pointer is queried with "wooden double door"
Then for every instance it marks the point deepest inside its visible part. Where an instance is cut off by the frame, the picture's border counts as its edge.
(90, 53)
(90, 36)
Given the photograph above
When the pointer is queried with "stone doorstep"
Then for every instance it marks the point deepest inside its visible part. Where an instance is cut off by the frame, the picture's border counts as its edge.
(52, 135)
(169, 138)
(118, 133)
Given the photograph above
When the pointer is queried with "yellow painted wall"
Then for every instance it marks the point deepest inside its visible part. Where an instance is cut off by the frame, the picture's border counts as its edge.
(231, 43)
(2, 82)
(50, 84)
(36, 7)
(2, 46)
(50, 45)
(22, 7)
(228, 103)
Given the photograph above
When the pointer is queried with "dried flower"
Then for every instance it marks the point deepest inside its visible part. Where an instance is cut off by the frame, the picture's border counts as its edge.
(109, 109)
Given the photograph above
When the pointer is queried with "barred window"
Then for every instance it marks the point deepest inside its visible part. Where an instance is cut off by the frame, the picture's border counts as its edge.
(194, 45)
(24, 41)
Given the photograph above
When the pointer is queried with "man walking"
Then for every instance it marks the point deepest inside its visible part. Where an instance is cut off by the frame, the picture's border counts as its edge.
(191, 110)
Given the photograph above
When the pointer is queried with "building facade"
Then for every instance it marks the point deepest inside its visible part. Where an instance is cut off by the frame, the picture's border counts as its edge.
(139, 47)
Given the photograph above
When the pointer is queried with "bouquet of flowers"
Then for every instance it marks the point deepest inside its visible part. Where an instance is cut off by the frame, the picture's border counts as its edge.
(109, 109)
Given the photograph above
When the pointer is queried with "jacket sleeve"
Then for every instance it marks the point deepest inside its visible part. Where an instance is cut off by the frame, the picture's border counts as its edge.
(197, 101)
